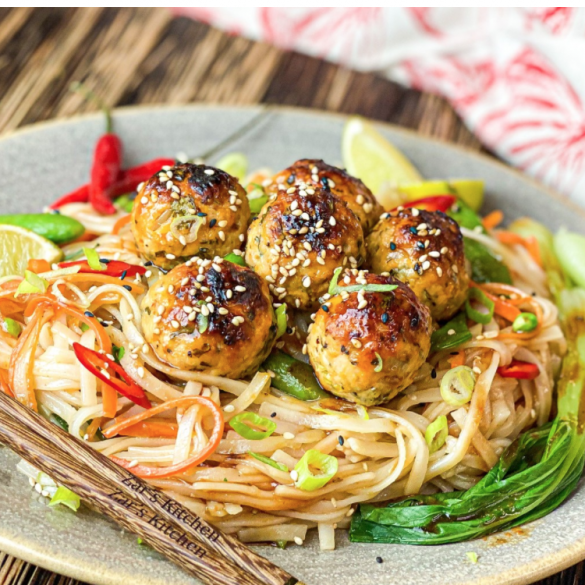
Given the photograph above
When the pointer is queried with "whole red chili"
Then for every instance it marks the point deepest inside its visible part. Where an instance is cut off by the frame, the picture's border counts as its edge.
(114, 268)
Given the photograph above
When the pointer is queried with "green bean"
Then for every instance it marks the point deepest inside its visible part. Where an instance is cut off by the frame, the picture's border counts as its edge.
(294, 377)
(53, 226)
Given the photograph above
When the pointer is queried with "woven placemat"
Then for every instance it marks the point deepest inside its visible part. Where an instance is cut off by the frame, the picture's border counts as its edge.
(144, 56)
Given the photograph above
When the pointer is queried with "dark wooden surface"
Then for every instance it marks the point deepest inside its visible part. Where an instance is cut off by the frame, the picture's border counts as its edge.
(138, 56)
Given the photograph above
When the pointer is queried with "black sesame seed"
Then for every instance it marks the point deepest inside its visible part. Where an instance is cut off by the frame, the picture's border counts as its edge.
(413, 230)
(385, 318)
(148, 263)
(325, 183)
(89, 314)
(325, 308)
(212, 222)
(273, 414)
(379, 560)
(105, 324)
(454, 353)
(105, 261)
(291, 179)
(127, 286)
(433, 373)
(420, 245)
(340, 440)
(414, 321)
(55, 212)
(123, 275)
(392, 246)
(201, 214)
(417, 267)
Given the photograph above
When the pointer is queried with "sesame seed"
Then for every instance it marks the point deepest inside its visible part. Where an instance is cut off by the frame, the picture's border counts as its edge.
(170, 256)
(288, 436)
(294, 475)
(426, 265)
(232, 192)
(144, 200)
(171, 289)
(222, 311)
(422, 258)
(415, 212)
(140, 371)
(175, 324)
(360, 199)
(216, 267)
(476, 370)
(439, 271)
(222, 223)
(221, 236)
(421, 227)
(298, 541)
(240, 288)
(160, 310)
(233, 208)
(306, 282)
(204, 310)
(294, 205)
(229, 408)
(229, 294)
(209, 172)
(304, 348)
(451, 332)
(444, 250)
(169, 184)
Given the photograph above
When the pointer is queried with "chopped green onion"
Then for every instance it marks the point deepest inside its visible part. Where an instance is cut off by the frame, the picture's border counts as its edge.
(472, 556)
(244, 430)
(258, 203)
(125, 202)
(309, 481)
(235, 164)
(31, 284)
(333, 289)
(476, 294)
(380, 365)
(281, 544)
(457, 386)
(368, 288)
(235, 259)
(269, 461)
(202, 322)
(525, 322)
(84, 327)
(281, 320)
(60, 422)
(118, 352)
(65, 497)
(93, 259)
(436, 433)
(12, 327)
(452, 334)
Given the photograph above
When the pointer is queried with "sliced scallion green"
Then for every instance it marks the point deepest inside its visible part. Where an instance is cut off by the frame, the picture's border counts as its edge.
(525, 322)
(436, 433)
(12, 327)
(475, 294)
(239, 424)
(457, 386)
(269, 461)
(281, 320)
(309, 481)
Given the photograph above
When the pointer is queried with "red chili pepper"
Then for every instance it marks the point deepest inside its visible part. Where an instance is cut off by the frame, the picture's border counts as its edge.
(113, 268)
(107, 160)
(105, 369)
(433, 203)
(127, 182)
(519, 370)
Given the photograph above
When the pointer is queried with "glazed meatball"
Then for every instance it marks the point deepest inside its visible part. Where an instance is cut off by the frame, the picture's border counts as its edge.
(210, 315)
(298, 240)
(365, 346)
(424, 249)
(189, 210)
(316, 173)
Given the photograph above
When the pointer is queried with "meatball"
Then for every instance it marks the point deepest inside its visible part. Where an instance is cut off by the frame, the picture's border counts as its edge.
(298, 240)
(365, 346)
(424, 249)
(316, 173)
(189, 210)
(210, 315)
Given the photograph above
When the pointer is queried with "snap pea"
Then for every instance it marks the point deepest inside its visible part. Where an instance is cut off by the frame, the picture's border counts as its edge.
(294, 377)
(53, 226)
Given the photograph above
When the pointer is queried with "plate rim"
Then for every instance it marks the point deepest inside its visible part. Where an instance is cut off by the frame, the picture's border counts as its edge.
(518, 575)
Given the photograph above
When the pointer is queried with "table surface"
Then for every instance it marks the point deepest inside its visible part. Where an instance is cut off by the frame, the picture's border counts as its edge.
(144, 56)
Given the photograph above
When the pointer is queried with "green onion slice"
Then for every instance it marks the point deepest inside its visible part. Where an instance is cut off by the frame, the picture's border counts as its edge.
(525, 322)
(93, 259)
(245, 430)
(436, 433)
(269, 461)
(235, 164)
(326, 465)
(363, 412)
(452, 334)
(368, 288)
(457, 386)
(60, 422)
(65, 497)
(380, 365)
(31, 284)
(281, 320)
(12, 327)
(257, 203)
(472, 556)
(476, 294)
(333, 288)
(202, 322)
(235, 259)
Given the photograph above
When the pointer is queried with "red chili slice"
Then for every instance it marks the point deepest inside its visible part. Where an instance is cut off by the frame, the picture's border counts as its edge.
(105, 369)
(113, 268)
(519, 370)
(433, 203)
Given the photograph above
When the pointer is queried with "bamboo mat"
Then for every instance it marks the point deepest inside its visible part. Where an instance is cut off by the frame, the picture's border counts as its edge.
(144, 56)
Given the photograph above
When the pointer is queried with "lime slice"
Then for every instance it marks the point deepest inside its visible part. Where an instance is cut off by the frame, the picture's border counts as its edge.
(370, 157)
(235, 164)
(416, 191)
(19, 245)
(470, 190)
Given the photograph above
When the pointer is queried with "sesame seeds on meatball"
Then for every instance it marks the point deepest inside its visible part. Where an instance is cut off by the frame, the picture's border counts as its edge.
(423, 249)
(210, 315)
(367, 346)
(298, 240)
(189, 210)
(318, 174)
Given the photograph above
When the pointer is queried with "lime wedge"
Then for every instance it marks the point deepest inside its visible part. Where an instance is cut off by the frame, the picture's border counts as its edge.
(416, 191)
(370, 157)
(235, 164)
(470, 190)
(19, 245)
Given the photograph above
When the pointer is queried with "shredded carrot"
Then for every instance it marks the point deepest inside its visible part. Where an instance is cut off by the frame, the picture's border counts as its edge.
(533, 248)
(152, 428)
(85, 237)
(530, 243)
(93, 426)
(38, 266)
(177, 468)
(124, 220)
(457, 360)
(4, 384)
(493, 219)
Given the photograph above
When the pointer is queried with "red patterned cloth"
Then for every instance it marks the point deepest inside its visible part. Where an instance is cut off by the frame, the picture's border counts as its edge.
(515, 75)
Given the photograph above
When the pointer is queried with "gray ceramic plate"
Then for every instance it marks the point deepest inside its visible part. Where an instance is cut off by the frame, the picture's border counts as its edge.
(40, 163)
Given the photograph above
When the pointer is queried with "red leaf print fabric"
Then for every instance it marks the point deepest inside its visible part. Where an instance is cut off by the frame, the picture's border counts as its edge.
(515, 75)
